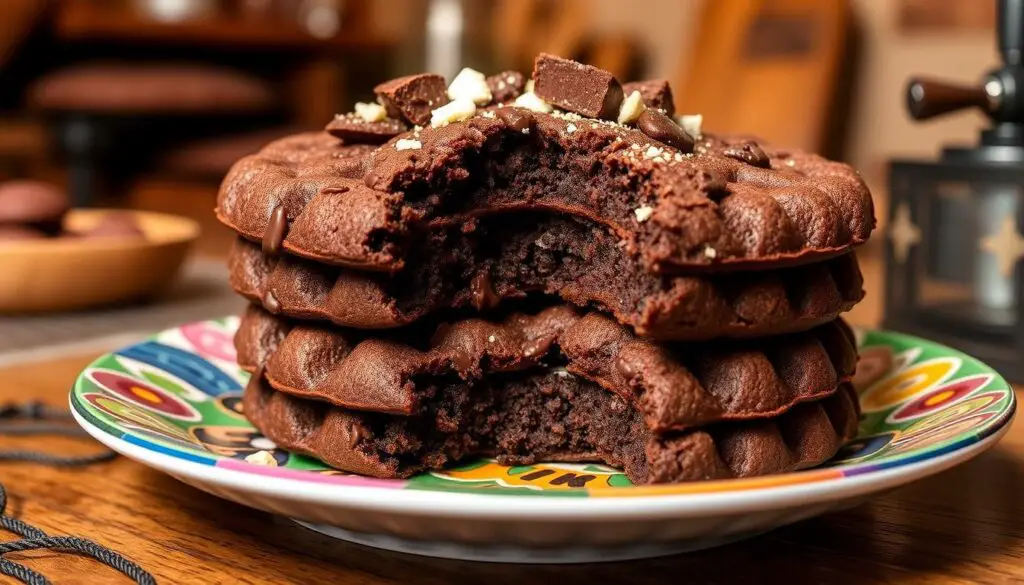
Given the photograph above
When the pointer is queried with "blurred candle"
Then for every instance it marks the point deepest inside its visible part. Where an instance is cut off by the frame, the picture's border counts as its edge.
(444, 37)
(176, 10)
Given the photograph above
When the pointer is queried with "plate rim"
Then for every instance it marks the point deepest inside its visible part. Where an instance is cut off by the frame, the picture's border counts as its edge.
(481, 505)
(656, 500)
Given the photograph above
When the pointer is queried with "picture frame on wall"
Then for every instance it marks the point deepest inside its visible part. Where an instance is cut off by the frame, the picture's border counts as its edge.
(924, 16)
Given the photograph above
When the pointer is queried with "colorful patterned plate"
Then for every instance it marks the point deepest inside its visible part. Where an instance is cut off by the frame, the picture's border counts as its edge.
(173, 403)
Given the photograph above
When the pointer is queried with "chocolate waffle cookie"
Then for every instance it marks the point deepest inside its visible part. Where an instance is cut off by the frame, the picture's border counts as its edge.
(673, 386)
(511, 257)
(673, 198)
(547, 415)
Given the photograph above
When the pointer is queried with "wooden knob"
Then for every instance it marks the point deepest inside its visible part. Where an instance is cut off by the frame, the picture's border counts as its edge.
(927, 98)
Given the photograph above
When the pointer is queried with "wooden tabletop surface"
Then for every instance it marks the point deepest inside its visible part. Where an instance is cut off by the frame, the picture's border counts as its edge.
(963, 526)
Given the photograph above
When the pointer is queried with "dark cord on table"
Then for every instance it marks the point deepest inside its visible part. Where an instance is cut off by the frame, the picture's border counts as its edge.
(38, 419)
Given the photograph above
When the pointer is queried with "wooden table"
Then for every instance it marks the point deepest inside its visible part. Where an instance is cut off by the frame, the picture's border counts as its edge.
(963, 526)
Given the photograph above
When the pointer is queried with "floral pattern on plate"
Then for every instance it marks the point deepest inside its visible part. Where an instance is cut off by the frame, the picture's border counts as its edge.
(178, 393)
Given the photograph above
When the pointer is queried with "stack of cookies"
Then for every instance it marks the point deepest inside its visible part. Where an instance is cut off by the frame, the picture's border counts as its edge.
(553, 269)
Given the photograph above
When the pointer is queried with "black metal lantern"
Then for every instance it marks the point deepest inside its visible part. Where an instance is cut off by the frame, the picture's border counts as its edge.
(956, 226)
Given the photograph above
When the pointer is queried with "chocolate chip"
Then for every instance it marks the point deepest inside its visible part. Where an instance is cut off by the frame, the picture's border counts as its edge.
(517, 119)
(274, 236)
(627, 368)
(506, 86)
(412, 97)
(660, 127)
(538, 348)
(750, 153)
(483, 293)
(356, 434)
(583, 89)
(656, 93)
(462, 362)
(352, 129)
(270, 302)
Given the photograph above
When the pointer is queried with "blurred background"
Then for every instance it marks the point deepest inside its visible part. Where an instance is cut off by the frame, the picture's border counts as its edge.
(144, 104)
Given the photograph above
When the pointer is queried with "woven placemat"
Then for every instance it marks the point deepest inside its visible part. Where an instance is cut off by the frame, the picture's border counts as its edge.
(202, 292)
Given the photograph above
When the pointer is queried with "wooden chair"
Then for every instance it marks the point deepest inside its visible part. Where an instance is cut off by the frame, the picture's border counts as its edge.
(771, 68)
(521, 29)
(17, 19)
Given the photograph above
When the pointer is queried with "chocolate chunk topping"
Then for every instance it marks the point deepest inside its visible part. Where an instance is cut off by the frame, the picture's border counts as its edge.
(517, 118)
(660, 127)
(413, 97)
(274, 236)
(583, 89)
(352, 129)
(656, 93)
(506, 86)
(750, 153)
(483, 293)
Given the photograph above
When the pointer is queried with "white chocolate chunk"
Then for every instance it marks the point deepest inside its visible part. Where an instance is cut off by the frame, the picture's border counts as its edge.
(691, 124)
(261, 458)
(710, 252)
(453, 111)
(643, 213)
(530, 101)
(408, 144)
(570, 128)
(528, 88)
(561, 372)
(470, 85)
(371, 112)
(652, 152)
(631, 108)
(263, 444)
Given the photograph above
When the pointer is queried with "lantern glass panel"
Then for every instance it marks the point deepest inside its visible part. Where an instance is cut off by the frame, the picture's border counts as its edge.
(959, 280)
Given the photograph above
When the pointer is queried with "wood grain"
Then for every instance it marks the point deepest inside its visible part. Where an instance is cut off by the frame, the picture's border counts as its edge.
(962, 526)
(761, 62)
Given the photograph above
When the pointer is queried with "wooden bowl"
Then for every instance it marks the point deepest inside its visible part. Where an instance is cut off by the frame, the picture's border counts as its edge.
(65, 274)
